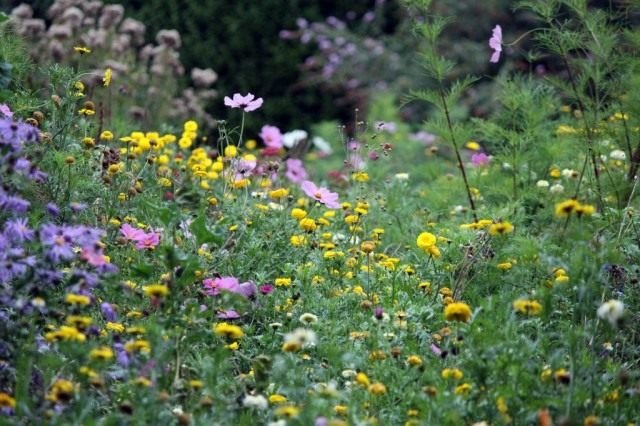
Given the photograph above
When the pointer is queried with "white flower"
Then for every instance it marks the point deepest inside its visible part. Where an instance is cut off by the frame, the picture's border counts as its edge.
(301, 337)
(348, 374)
(255, 401)
(322, 145)
(280, 422)
(618, 154)
(569, 173)
(612, 311)
(401, 176)
(308, 318)
(294, 137)
(542, 183)
(276, 206)
(556, 189)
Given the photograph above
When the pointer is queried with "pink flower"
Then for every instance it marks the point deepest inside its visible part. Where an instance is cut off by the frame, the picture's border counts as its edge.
(495, 42)
(227, 314)
(480, 159)
(148, 240)
(247, 102)
(6, 111)
(271, 136)
(295, 170)
(322, 195)
(230, 284)
(131, 233)
(93, 257)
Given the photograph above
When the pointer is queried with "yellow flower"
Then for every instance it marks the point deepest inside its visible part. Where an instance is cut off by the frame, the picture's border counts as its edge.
(114, 326)
(78, 321)
(88, 142)
(341, 410)
(362, 380)
(360, 176)
(504, 266)
(414, 361)
(277, 399)
(452, 373)
(298, 240)
(61, 391)
(229, 331)
(500, 228)
(278, 193)
(287, 411)
(196, 384)
(472, 145)
(141, 381)
(282, 282)
(567, 207)
(298, 214)
(77, 299)
(7, 401)
(156, 290)
(102, 353)
(230, 151)
(457, 311)
(86, 112)
(463, 389)
(527, 307)
(377, 388)
(190, 126)
(426, 240)
(308, 224)
(106, 78)
(139, 345)
(81, 49)
(106, 135)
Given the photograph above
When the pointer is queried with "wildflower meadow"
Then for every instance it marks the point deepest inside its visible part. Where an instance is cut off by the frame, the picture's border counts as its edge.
(462, 249)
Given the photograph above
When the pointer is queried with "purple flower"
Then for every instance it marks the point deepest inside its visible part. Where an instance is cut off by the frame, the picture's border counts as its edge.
(6, 111)
(13, 204)
(322, 195)
(247, 102)
(271, 136)
(495, 42)
(296, 172)
(480, 159)
(18, 230)
(108, 312)
(52, 209)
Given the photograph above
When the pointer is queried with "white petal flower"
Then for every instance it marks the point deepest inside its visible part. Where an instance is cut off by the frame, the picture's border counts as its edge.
(612, 311)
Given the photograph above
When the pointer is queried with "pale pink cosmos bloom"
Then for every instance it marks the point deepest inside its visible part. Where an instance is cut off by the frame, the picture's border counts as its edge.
(6, 111)
(227, 314)
(247, 102)
(93, 257)
(213, 287)
(271, 136)
(322, 195)
(495, 42)
(131, 233)
(148, 240)
(296, 172)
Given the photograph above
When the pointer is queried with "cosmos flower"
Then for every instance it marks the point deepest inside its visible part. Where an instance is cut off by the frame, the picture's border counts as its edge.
(320, 194)
(248, 102)
(495, 42)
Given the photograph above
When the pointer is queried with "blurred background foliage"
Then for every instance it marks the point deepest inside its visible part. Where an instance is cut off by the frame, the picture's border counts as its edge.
(315, 61)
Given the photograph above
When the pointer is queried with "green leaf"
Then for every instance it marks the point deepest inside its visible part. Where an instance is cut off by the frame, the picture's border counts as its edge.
(3, 17)
(202, 233)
